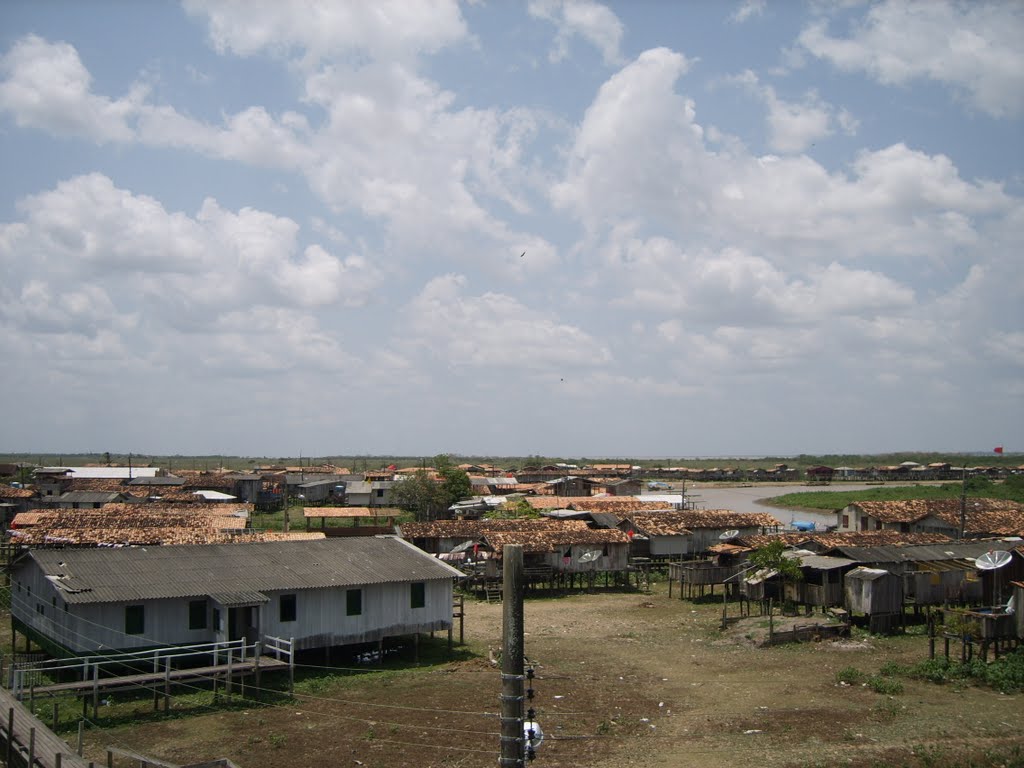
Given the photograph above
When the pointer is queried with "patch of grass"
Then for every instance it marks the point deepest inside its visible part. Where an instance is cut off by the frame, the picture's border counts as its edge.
(887, 709)
(884, 685)
(832, 500)
(277, 740)
(1005, 674)
(850, 676)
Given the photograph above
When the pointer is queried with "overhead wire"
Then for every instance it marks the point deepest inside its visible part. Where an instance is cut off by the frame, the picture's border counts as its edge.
(115, 658)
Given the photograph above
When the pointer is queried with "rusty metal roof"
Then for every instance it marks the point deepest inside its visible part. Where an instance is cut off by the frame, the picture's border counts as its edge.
(710, 518)
(983, 516)
(844, 538)
(10, 492)
(128, 524)
(347, 512)
(619, 505)
(540, 540)
(153, 573)
(659, 524)
(446, 529)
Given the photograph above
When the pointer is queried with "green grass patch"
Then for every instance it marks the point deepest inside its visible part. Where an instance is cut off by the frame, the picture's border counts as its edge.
(832, 500)
(850, 676)
(1005, 674)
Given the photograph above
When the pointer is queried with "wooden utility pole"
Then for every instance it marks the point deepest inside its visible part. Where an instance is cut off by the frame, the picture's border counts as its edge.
(963, 503)
(512, 676)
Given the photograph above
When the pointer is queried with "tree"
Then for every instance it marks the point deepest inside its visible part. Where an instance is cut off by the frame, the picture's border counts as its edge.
(428, 497)
(772, 557)
(455, 483)
(420, 495)
(516, 509)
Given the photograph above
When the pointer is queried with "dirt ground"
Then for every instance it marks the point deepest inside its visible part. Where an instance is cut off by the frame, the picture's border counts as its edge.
(623, 679)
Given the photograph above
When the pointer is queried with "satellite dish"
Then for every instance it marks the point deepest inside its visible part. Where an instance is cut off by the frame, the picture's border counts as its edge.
(732, 533)
(993, 559)
(590, 556)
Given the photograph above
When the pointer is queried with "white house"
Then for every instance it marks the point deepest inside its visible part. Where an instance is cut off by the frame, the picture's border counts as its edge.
(323, 593)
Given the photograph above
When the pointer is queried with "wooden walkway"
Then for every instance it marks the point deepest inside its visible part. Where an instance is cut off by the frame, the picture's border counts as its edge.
(26, 741)
(150, 679)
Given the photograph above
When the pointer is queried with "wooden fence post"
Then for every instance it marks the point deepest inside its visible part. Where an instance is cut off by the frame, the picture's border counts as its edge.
(291, 665)
(10, 733)
(167, 685)
(96, 691)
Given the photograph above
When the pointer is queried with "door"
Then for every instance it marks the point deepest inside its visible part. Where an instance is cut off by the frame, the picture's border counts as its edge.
(241, 623)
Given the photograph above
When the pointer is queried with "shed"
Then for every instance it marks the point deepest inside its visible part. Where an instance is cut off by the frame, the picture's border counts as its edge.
(873, 591)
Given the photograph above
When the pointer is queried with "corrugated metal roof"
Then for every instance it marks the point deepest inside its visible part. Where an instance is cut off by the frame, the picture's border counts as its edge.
(151, 573)
(237, 599)
(867, 574)
(83, 497)
(925, 552)
(820, 562)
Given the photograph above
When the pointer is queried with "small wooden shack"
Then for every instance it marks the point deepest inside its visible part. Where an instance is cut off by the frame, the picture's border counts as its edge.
(877, 594)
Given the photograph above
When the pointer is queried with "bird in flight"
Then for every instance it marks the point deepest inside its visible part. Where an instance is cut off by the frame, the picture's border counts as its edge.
(522, 254)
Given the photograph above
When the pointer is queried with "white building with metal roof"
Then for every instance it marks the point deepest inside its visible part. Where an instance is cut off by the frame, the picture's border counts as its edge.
(324, 593)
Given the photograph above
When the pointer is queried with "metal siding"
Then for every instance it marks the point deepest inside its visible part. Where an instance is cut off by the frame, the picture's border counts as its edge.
(321, 616)
(669, 545)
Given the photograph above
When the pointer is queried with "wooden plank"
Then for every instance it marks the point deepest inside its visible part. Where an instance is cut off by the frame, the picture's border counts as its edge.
(266, 663)
(47, 744)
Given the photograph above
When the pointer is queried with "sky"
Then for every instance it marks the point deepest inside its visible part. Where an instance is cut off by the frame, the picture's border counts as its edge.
(551, 227)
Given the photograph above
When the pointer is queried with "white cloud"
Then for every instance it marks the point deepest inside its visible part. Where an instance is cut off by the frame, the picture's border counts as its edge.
(482, 331)
(592, 21)
(747, 10)
(640, 156)
(91, 261)
(323, 28)
(46, 86)
(794, 126)
(392, 147)
(974, 48)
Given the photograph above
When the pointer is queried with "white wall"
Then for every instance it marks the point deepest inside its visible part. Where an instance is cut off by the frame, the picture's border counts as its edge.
(321, 618)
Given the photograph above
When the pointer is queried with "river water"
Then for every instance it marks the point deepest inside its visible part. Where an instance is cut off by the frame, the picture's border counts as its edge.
(744, 499)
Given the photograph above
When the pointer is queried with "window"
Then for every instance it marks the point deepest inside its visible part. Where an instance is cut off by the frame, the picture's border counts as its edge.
(134, 619)
(197, 614)
(380, 493)
(846, 521)
(40, 609)
(216, 619)
(418, 593)
(353, 602)
(288, 612)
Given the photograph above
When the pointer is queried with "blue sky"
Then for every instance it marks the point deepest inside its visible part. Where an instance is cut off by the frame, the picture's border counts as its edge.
(746, 228)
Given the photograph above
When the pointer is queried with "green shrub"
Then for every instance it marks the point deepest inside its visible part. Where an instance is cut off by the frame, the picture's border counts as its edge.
(850, 676)
(885, 685)
(1005, 674)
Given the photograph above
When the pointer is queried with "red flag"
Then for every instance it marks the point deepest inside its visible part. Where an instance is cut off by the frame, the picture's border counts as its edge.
(998, 449)
(629, 533)
(392, 467)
